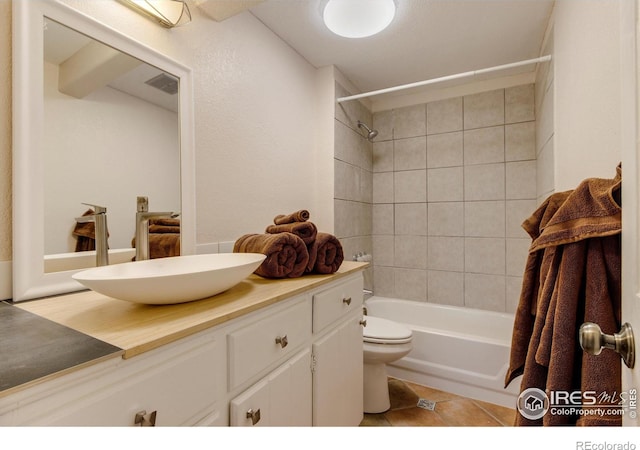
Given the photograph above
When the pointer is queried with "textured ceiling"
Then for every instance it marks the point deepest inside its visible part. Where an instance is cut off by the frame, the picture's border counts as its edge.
(427, 39)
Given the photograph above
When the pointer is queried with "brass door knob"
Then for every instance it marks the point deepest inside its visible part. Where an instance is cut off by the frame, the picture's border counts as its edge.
(593, 340)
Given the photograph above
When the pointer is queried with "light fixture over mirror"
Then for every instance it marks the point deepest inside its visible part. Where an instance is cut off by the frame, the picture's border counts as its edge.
(169, 13)
(358, 18)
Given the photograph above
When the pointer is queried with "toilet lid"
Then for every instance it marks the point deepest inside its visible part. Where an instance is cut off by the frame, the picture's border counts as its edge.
(380, 330)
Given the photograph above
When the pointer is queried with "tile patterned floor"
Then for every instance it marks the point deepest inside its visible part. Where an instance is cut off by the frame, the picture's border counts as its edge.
(450, 410)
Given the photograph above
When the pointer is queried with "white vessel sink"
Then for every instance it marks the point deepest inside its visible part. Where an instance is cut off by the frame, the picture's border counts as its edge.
(178, 279)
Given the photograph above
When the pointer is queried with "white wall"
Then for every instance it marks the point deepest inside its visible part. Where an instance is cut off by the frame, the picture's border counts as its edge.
(587, 92)
(256, 106)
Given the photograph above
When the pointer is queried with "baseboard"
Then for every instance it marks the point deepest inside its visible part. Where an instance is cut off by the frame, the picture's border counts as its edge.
(6, 282)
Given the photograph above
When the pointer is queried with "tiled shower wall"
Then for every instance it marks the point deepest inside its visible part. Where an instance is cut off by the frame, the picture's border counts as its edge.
(353, 184)
(452, 182)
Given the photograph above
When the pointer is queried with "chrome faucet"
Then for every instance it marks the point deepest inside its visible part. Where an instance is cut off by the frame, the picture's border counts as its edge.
(142, 226)
(99, 216)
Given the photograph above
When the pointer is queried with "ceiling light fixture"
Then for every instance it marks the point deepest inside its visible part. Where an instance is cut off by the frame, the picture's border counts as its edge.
(358, 18)
(169, 13)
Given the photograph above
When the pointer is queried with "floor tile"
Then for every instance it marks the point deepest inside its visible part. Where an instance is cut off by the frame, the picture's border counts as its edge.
(450, 410)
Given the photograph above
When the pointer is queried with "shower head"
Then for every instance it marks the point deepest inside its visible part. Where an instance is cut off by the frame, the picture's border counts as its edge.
(370, 133)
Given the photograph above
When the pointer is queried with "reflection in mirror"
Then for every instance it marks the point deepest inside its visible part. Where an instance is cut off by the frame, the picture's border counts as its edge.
(71, 148)
(111, 132)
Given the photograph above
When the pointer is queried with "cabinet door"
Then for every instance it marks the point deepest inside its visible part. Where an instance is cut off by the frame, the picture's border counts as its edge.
(337, 376)
(283, 398)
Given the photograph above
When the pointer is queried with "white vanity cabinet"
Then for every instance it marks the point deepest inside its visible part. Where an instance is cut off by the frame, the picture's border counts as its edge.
(337, 355)
(181, 383)
(322, 384)
(296, 362)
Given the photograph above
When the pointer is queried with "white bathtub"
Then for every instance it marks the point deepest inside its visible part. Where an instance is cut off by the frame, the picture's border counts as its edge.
(459, 350)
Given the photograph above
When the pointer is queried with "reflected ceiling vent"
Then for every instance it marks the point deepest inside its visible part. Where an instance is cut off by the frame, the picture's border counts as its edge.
(166, 83)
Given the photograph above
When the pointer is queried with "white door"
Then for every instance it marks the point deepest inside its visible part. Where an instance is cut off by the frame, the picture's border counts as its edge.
(630, 191)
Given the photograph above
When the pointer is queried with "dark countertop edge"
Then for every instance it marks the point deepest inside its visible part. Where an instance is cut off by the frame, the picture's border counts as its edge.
(29, 384)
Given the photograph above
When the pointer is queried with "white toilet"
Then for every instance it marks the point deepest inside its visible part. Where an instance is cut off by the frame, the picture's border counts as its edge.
(385, 341)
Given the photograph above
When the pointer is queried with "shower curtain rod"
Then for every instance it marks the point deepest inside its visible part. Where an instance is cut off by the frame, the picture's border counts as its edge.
(446, 78)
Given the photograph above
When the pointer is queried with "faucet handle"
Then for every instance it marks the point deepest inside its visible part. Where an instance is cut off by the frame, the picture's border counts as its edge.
(97, 209)
(142, 204)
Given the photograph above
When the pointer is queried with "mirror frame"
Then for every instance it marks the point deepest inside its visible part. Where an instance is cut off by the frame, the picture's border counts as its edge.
(29, 279)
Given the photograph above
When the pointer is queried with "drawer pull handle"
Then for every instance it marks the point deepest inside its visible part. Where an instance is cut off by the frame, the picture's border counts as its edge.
(283, 341)
(363, 322)
(254, 416)
(347, 300)
(146, 420)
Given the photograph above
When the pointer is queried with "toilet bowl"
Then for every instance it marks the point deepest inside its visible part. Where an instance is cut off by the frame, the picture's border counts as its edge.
(384, 341)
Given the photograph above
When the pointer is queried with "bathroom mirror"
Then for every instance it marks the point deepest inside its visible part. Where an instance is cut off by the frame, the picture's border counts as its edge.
(71, 146)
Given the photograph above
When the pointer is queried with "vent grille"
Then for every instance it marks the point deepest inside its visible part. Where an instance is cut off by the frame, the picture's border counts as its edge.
(166, 83)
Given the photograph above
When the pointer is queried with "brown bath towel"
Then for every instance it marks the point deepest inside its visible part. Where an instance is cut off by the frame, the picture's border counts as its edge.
(164, 225)
(306, 231)
(163, 245)
(287, 255)
(572, 276)
(298, 216)
(329, 254)
(85, 234)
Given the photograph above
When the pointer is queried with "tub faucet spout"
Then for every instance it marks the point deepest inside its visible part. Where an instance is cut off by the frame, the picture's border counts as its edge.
(142, 226)
(99, 217)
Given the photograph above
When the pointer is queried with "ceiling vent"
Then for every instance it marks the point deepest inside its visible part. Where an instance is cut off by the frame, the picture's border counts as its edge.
(166, 83)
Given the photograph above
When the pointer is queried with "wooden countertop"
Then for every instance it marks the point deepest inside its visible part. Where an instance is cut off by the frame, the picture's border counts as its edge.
(139, 328)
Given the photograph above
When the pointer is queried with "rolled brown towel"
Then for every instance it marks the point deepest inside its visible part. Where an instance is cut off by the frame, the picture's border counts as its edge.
(298, 216)
(163, 245)
(164, 225)
(329, 254)
(286, 253)
(306, 231)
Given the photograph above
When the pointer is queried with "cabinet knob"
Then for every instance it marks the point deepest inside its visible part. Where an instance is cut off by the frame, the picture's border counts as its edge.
(347, 300)
(254, 415)
(363, 322)
(146, 420)
(282, 340)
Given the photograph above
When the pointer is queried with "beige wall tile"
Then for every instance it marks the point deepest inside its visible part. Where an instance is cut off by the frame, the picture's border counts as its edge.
(383, 219)
(484, 255)
(445, 288)
(383, 122)
(519, 103)
(484, 145)
(383, 156)
(521, 180)
(383, 248)
(383, 284)
(410, 186)
(410, 153)
(383, 187)
(445, 150)
(484, 182)
(445, 253)
(484, 219)
(410, 121)
(410, 252)
(445, 219)
(411, 284)
(520, 141)
(445, 184)
(484, 110)
(411, 219)
(517, 212)
(516, 256)
(444, 116)
(484, 291)
(513, 287)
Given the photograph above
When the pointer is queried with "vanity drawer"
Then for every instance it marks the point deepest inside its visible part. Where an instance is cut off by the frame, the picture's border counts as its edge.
(254, 347)
(332, 304)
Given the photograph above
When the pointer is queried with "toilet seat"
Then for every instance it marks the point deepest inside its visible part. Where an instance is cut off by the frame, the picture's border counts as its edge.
(383, 331)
